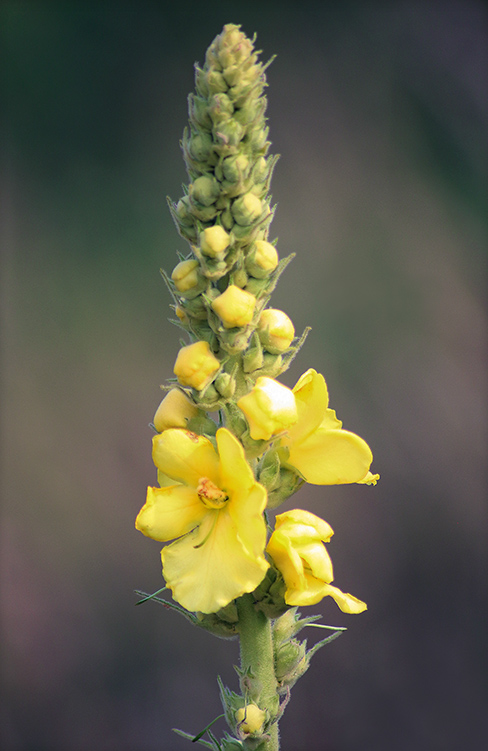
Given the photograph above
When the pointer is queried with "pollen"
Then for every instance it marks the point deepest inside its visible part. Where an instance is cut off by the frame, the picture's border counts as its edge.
(210, 494)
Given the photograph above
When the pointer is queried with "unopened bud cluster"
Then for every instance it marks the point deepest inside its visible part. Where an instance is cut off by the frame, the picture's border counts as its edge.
(222, 287)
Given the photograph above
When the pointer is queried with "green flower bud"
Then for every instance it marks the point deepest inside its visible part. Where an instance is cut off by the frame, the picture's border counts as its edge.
(228, 133)
(260, 170)
(227, 219)
(199, 112)
(225, 385)
(200, 146)
(291, 662)
(195, 308)
(272, 365)
(247, 209)
(236, 168)
(183, 212)
(215, 82)
(220, 107)
(235, 340)
(205, 190)
(239, 278)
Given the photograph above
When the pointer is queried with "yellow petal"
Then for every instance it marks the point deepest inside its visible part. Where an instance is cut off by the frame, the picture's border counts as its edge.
(174, 411)
(206, 577)
(299, 516)
(246, 509)
(317, 560)
(312, 400)
(170, 512)
(186, 456)
(347, 603)
(310, 593)
(235, 472)
(331, 457)
(287, 561)
(269, 407)
(370, 479)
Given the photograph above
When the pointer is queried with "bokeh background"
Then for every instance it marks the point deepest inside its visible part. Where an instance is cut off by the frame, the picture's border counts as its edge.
(379, 110)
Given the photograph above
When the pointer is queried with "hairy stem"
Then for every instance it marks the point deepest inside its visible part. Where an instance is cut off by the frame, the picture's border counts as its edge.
(258, 681)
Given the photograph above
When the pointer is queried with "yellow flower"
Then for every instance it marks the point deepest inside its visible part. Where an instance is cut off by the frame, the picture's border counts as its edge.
(235, 307)
(196, 365)
(276, 330)
(174, 411)
(250, 718)
(298, 553)
(215, 507)
(321, 451)
(269, 408)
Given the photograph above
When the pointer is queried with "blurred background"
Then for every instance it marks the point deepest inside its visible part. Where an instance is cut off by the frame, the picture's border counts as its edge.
(379, 111)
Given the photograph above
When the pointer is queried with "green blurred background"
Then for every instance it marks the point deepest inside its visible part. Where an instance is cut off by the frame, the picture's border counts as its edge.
(379, 111)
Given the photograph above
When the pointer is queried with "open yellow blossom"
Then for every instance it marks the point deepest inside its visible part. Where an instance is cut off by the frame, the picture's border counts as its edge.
(215, 509)
(321, 451)
(174, 411)
(196, 365)
(269, 408)
(296, 547)
(235, 307)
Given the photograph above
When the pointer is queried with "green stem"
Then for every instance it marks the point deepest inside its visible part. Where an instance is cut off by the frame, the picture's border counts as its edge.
(258, 681)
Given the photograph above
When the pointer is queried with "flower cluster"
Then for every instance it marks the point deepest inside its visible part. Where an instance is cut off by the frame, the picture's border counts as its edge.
(217, 482)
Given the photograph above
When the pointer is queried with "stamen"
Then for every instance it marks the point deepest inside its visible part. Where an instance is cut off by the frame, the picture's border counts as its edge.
(210, 494)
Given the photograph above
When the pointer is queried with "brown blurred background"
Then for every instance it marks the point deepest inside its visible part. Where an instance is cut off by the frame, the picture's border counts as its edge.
(379, 110)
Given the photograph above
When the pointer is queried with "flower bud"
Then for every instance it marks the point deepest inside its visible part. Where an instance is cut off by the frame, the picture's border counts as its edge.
(205, 190)
(196, 366)
(227, 219)
(195, 308)
(276, 331)
(215, 81)
(220, 107)
(260, 170)
(291, 661)
(247, 209)
(201, 145)
(269, 407)
(251, 719)
(181, 315)
(186, 278)
(235, 307)
(225, 385)
(214, 241)
(262, 259)
(199, 112)
(235, 168)
(228, 132)
(183, 212)
(174, 411)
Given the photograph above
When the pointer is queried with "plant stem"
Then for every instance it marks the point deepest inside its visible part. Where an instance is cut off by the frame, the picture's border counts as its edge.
(258, 682)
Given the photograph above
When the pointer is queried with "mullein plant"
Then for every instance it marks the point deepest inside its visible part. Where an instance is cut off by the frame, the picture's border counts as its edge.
(229, 571)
